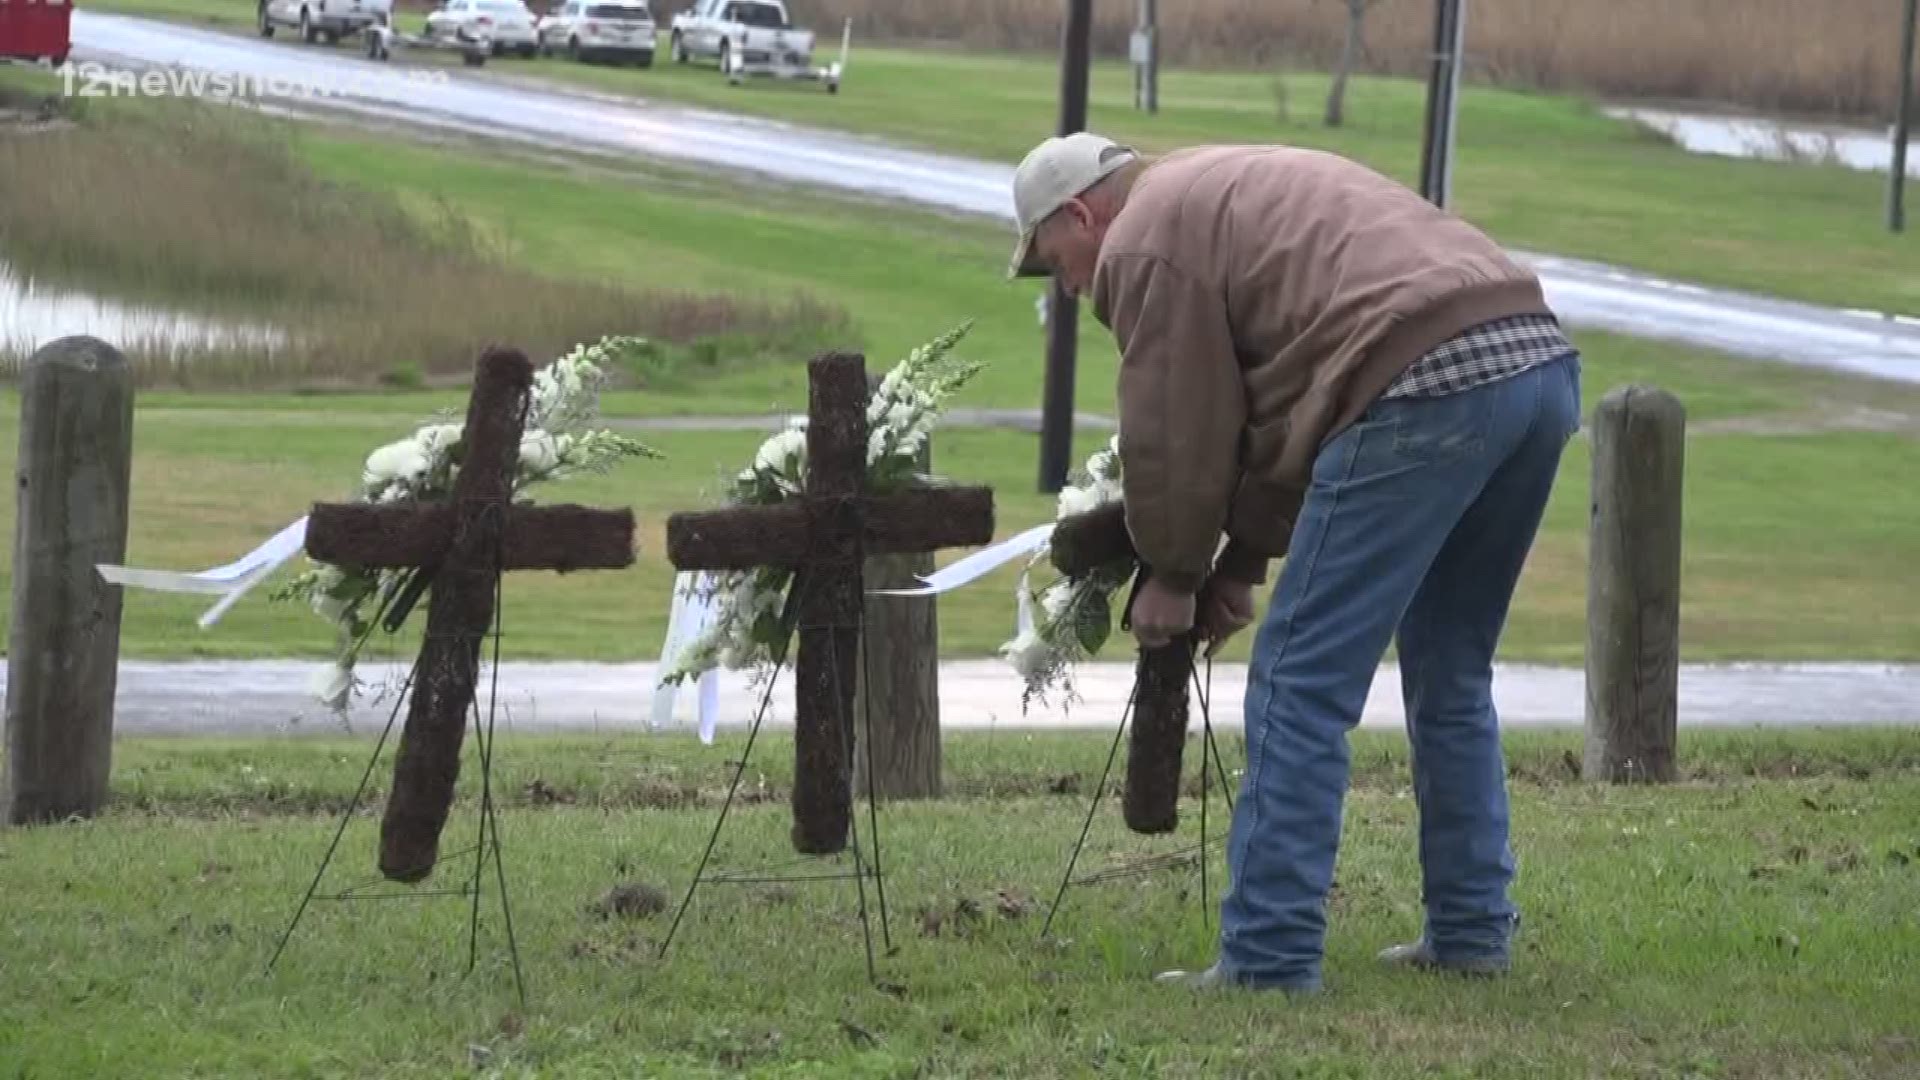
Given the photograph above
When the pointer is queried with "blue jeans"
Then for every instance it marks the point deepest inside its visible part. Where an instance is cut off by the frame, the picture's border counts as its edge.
(1418, 521)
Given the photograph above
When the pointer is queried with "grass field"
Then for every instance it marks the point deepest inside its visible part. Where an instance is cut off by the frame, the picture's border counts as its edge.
(1796, 543)
(1768, 54)
(1764, 54)
(1544, 173)
(1796, 546)
(1752, 921)
(211, 212)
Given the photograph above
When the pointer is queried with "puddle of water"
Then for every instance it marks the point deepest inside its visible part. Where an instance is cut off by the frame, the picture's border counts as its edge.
(1775, 140)
(32, 315)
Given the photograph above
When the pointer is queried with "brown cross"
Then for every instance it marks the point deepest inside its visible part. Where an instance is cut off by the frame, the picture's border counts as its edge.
(824, 535)
(1150, 801)
(461, 545)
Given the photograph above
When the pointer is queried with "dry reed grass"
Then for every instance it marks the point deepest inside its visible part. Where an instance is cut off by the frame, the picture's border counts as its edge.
(189, 207)
(1829, 57)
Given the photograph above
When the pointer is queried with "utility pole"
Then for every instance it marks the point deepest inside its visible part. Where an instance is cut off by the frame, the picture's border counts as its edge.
(1902, 126)
(1146, 58)
(1443, 101)
(1063, 311)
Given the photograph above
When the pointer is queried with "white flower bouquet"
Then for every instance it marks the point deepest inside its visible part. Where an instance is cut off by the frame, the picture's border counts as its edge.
(747, 624)
(1071, 617)
(558, 441)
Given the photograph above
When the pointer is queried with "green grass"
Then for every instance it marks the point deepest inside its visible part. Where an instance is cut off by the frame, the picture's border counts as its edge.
(1796, 546)
(1540, 172)
(1722, 927)
(185, 206)
(692, 232)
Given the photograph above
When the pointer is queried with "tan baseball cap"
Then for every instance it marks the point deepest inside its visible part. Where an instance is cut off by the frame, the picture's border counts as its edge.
(1052, 173)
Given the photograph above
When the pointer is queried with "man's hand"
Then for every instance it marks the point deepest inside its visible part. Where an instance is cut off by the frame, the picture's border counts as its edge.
(1160, 613)
(1225, 608)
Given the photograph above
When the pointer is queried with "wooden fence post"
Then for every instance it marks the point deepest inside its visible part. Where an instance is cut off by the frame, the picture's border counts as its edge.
(901, 637)
(1633, 586)
(71, 488)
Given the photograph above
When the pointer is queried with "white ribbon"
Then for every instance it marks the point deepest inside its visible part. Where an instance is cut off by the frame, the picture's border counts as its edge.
(977, 565)
(229, 582)
(692, 613)
(1023, 608)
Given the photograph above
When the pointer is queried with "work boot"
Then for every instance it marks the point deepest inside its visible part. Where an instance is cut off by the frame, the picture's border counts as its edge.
(1214, 978)
(1420, 955)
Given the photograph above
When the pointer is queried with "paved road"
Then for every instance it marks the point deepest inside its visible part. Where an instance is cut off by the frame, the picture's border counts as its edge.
(259, 697)
(1586, 294)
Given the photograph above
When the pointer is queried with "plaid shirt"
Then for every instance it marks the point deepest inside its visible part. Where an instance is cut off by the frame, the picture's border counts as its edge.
(1492, 350)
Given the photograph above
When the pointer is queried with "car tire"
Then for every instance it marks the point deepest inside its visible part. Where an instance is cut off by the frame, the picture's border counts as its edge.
(644, 60)
(677, 48)
(527, 52)
(307, 32)
(266, 23)
(573, 50)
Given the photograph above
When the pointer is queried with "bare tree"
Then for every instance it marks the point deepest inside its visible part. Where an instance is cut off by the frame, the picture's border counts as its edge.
(1349, 53)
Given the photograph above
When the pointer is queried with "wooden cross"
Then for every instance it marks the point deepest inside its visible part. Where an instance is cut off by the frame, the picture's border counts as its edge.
(462, 545)
(824, 536)
(1151, 797)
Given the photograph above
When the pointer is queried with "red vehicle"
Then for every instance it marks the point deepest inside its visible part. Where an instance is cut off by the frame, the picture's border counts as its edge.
(36, 30)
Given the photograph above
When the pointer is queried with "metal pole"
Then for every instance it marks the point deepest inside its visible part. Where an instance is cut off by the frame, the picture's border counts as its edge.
(1137, 56)
(1902, 126)
(1056, 404)
(1146, 58)
(1443, 101)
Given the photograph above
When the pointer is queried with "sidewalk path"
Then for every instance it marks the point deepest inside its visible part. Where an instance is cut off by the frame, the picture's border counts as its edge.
(271, 697)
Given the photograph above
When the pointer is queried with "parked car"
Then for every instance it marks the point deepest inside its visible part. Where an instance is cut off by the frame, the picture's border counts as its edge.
(507, 24)
(36, 31)
(745, 37)
(621, 30)
(322, 19)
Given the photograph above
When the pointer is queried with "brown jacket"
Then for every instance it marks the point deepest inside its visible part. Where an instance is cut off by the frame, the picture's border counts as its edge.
(1262, 297)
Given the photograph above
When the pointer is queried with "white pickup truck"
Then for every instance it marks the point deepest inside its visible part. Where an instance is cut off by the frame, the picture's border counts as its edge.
(748, 37)
(329, 19)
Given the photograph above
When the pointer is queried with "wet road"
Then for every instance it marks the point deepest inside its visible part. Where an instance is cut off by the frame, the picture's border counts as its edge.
(267, 697)
(1586, 294)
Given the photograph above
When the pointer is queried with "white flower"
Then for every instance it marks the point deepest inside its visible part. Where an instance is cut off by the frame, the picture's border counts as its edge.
(404, 461)
(1078, 500)
(539, 453)
(437, 438)
(1053, 603)
(876, 444)
(777, 452)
